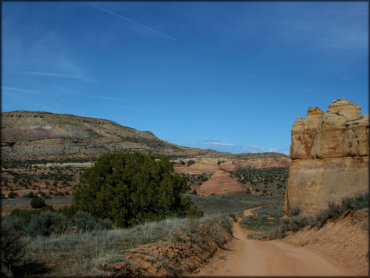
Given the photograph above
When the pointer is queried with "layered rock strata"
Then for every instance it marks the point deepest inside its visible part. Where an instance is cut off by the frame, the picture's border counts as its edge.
(330, 157)
(42, 135)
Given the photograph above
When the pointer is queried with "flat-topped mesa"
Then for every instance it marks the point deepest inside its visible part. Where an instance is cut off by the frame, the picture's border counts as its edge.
(330, 157)
(42, 135)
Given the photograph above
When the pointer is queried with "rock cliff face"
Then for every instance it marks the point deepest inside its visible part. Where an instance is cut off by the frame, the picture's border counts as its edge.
(330, 157)
(230, 162)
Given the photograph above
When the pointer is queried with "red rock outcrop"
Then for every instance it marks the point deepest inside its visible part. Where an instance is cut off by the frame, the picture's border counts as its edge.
(330, 157)
(220, 183)
(230, 162)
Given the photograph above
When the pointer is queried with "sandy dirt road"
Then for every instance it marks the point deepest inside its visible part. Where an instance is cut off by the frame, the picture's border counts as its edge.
(247, 257)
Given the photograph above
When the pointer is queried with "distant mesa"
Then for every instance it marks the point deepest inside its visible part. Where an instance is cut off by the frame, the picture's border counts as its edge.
(44, 135)
(330, 157)
(30, 135)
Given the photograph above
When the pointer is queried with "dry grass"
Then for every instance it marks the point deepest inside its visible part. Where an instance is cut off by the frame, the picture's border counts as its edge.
(92, 252)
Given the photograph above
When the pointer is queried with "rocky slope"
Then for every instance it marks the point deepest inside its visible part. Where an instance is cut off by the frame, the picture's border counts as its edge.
(42, 135)
(59, 137)
(220, 167)
(345, 240)
(330, 157)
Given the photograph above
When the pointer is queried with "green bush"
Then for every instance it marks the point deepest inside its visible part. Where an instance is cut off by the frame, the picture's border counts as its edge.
(12, 194)
(131, 188)
(355, 203)
(291, 224)
(68, 211)
(335, 210)
(104, 224)
(12, 249)
(16, 222)
(29, 195)
(44, 223)
(84, 221)
(24, 215)
(37, 202)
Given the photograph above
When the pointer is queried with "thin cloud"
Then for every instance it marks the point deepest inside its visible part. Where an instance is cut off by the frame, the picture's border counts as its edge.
(102, 97)
(57, 75)
(45, 56)
(19, 90)
(302, 88)
(215, 144)
(331, 29)
(14, 90)
(137, 108)
(131, 21)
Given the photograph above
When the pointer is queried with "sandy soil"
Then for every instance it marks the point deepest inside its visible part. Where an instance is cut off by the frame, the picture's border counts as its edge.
(248, 257)
(346, 240)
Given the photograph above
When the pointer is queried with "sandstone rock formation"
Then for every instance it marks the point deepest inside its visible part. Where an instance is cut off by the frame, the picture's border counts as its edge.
(220, 183)
(229, 162)
(330, 157)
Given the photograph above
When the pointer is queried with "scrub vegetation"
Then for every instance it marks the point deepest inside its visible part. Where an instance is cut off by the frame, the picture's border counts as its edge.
(269, 219)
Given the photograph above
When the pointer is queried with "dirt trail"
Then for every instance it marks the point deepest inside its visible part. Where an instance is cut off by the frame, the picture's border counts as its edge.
(247, 257)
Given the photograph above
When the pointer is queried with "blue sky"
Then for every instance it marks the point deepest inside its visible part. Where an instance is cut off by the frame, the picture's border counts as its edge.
(230, 76)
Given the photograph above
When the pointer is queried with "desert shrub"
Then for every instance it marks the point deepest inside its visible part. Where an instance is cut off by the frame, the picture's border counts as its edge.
(17, 223)
(29, 195)
(104, 224)
(37, 202)
(296, 223)
(20, 218)
(84, 221)
(44, 223)
(294, 211)
(131, 188)
(334, 211)
(194, 213)
(68, 211)
(291, 224)
(12, 249)
(258, 236)
(94, 251)
(12, 194)
(355, 203)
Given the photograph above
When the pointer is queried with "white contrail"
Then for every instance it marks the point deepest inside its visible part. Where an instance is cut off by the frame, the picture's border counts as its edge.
(131, 21)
